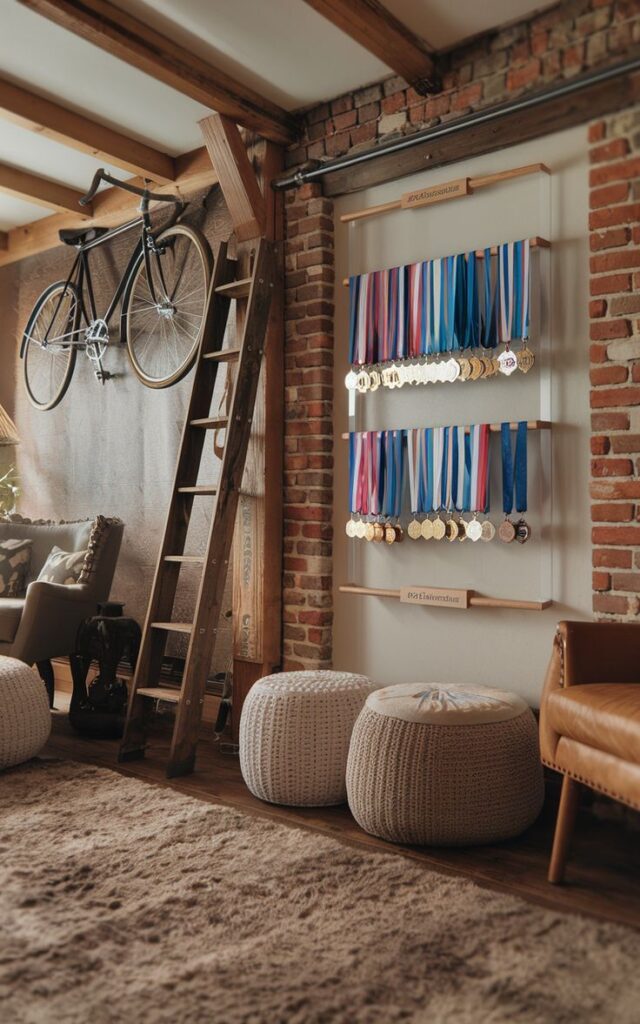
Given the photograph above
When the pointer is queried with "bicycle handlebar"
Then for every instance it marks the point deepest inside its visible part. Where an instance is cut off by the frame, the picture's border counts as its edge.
(102, 175)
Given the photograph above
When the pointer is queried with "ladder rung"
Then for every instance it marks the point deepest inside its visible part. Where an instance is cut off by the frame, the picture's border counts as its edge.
(210, 422)
(223, 355)
(189, 559)
(173, 627)
(199, 489)
(159, 693)
(235, 289)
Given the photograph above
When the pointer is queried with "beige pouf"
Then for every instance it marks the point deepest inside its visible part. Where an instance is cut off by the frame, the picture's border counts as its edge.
(444, 765)
(294, 736)
(25, 718)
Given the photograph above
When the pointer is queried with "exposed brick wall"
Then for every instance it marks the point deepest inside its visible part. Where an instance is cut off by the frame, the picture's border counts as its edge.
(308, 481)
(572, 37)
(614, 308)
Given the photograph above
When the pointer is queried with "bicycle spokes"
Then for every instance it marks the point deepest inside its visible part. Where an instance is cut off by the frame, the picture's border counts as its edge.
(166, 305)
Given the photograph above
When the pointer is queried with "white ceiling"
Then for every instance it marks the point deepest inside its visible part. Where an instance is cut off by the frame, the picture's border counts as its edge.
(281, 48)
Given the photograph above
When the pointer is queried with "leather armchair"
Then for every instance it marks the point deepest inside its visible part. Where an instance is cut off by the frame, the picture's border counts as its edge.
(44, 624)
(590, 720)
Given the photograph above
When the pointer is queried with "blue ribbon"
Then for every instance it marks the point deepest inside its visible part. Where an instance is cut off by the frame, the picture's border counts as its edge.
(466, 497)
(427, 484)
(354, 295)
(509, 475)
(489, 337)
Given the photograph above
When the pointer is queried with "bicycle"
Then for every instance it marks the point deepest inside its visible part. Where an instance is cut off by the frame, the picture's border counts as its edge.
(163, 289)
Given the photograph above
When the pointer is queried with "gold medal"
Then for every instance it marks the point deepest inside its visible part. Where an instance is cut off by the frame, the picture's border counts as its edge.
(488, 531)
(465, 368)
(507, 531)
(363, 382)
(399, 533)
(374, 380)
(389, 533)
(526, 359)
(476, 368)
(426, 529)
(414, 529)
(462, 529)
(350, 528)
(439, 529)
(360, 529)
(368, 531)
(378, 533)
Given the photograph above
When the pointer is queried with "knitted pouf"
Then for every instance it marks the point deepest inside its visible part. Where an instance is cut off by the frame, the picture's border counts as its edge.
(294, 736)
(444, 765)
(25, 718)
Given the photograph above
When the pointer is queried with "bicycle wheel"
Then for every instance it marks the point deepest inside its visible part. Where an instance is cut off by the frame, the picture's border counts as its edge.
(163, 334)
(48, 368)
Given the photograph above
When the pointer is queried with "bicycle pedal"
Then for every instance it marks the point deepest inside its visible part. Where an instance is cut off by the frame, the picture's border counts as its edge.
(103, 376)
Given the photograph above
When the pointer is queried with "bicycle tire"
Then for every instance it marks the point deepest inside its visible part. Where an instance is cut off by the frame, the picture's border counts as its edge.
(29, 344)
(135, 294)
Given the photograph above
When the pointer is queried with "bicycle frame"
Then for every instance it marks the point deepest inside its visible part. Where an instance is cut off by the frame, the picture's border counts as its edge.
(80, 277)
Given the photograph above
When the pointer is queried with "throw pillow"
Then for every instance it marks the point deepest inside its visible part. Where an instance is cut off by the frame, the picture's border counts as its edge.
(62, 566)
(15, 559)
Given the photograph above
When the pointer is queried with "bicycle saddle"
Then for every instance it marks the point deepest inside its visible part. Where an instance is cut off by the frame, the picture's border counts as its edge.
(74, 236)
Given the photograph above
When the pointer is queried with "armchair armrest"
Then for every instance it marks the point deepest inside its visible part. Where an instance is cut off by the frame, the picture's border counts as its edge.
(50, 620)
(588, 652)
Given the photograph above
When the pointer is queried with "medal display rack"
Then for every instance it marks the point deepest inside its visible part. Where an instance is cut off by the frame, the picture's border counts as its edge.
(441, 319)
(420, 361)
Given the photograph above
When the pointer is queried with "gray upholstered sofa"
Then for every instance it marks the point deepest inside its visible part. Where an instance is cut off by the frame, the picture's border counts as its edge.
(44, 624)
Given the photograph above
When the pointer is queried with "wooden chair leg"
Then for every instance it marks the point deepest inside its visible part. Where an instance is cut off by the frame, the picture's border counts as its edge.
(569, 800)
(45, 668)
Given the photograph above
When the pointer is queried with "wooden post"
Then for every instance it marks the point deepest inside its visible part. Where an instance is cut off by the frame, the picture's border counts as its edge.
(245, 170)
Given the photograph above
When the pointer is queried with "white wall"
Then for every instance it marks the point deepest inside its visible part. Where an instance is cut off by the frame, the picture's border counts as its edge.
(393, 642)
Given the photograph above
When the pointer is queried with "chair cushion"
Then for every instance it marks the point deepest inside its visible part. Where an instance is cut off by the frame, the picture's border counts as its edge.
(15, 559)
(446, 703)
(62, 566)
(605, 716)
(10, 614)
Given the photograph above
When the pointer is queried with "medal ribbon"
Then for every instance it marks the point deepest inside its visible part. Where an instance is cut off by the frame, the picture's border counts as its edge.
(509, 477)
(506, 287)
(415, 304)
(488, 332)
(414, 446)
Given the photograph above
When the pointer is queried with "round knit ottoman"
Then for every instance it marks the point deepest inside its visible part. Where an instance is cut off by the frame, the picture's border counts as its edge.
(25, 718)
(444, 765)
(294, 736)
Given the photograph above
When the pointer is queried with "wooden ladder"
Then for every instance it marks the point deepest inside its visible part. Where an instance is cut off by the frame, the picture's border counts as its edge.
(257, 290)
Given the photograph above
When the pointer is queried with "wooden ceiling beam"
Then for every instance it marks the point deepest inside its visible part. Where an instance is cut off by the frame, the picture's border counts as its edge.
(102, 23)
(41, 191)
(375, 28)
(238, 180)
(43, 116)
(111, 207)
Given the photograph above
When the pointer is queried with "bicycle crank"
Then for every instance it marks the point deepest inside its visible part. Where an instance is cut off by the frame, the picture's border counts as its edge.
(97, 341)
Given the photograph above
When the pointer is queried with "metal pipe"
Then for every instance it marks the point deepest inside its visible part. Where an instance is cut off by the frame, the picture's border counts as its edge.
(476, 118)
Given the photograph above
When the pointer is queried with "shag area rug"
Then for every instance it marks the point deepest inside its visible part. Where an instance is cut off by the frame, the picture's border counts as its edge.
(121, 901)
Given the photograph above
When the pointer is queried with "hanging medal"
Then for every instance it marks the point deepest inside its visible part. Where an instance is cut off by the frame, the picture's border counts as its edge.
(426, 476)
(464, 480)
(414, 445)
(376, 477)
(354, 455)
(525, 356)
(514, 476)
(451, 525)
(479, 473)
(440, 436)
(508, 285)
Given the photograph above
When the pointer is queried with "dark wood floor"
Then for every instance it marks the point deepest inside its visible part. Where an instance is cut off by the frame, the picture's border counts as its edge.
(603, 879)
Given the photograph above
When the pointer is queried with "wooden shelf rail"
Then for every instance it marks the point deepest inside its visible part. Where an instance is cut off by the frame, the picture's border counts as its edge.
(536, 243)
(495, 428)
(444, 192)
(474, 600)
